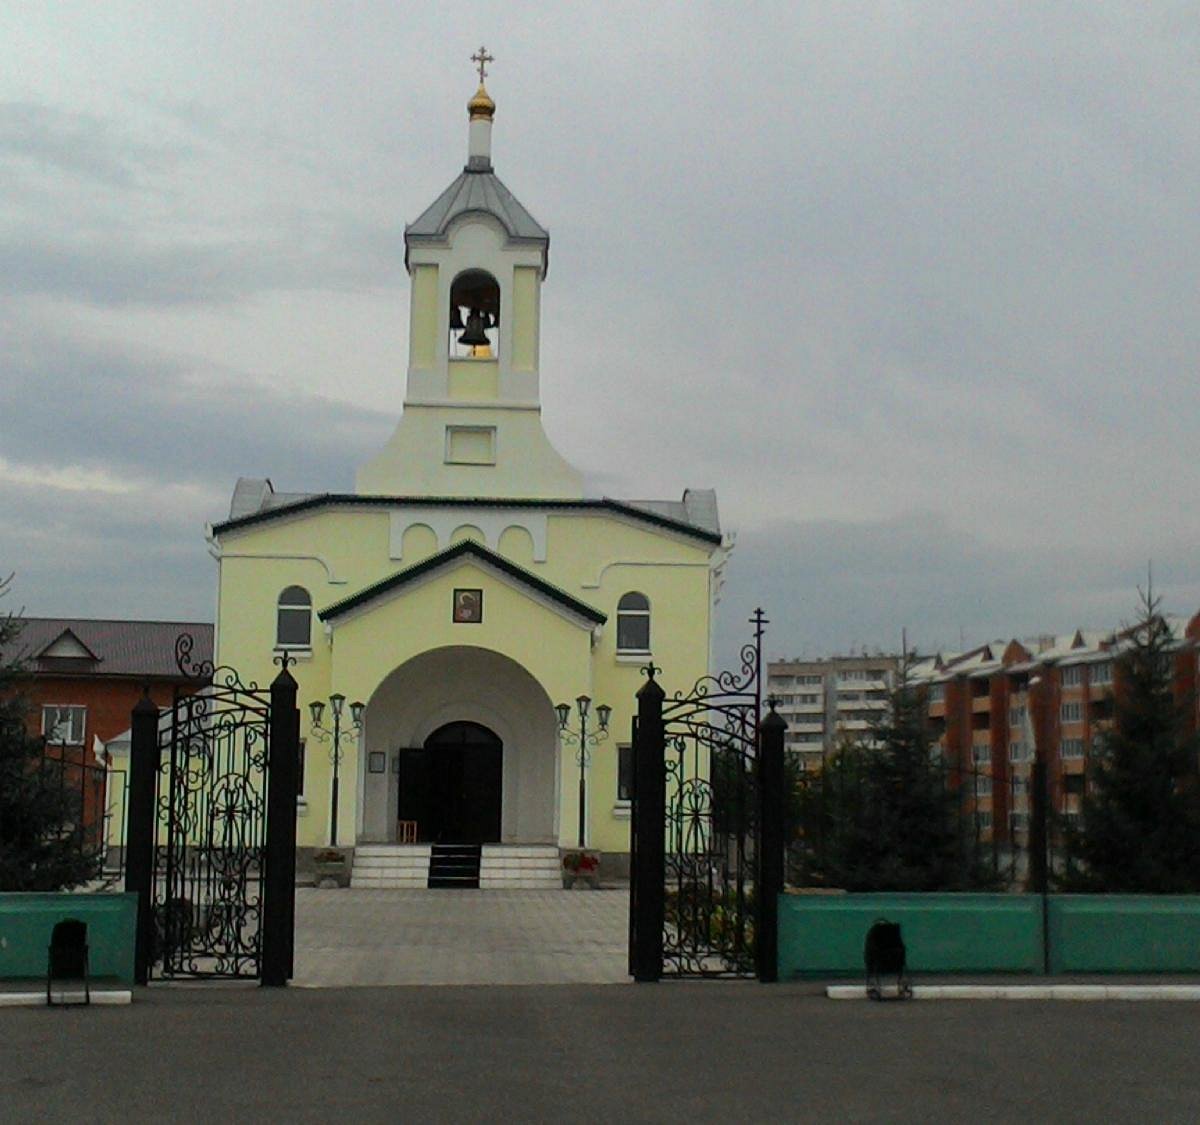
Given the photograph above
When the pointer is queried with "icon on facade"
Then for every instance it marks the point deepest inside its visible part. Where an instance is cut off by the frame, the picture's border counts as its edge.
(468, 607)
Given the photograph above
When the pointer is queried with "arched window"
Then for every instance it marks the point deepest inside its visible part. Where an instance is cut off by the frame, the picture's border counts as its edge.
(474, 316)
(633, 623)
(293, 627)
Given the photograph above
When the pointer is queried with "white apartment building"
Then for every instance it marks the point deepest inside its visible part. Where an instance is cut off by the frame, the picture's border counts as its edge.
(830, 700)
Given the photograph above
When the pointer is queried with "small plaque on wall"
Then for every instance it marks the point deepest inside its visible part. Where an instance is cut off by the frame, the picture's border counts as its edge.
(468, 607)
(377, 762)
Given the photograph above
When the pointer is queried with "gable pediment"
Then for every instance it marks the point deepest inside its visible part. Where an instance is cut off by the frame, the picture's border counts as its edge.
(67, 646)
(469, 552)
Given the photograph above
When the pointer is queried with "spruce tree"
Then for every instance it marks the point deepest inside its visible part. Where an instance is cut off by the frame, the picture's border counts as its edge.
(1139, 825)
(883, 815)
(41, 835)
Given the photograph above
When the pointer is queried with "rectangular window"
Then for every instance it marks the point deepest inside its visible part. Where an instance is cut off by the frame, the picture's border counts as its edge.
(981, 785)
(624, 773)
(633, 632)
(984, 818)
(1020, 786)
(1101, 673)
(981, 752)
(1071, 748)
(1071, 712)
(937, 693)
(1072, 675)
(1018, 821)
(1016, 717)
(63, 724)
(1017, 752)
(809, 681)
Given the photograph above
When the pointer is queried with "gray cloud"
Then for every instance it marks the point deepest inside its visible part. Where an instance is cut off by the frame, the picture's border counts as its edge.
(912, 286)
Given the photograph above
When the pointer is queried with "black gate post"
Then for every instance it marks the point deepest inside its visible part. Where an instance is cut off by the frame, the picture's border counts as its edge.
(650, 794)
(141, 824)
(771, 799)
(279, 882)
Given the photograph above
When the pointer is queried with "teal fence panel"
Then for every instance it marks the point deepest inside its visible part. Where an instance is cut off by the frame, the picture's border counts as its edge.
(1124, 933)
(823, 935)
(26, 921)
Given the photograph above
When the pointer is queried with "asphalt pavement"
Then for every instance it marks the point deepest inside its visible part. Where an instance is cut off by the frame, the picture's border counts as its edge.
(667, 1052)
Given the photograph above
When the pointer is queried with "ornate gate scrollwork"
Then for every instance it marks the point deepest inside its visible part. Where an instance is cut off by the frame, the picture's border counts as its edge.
(211, 837)
(700, 877)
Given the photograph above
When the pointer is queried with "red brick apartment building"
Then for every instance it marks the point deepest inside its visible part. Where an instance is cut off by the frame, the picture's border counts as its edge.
(86, 676)
(993, 706)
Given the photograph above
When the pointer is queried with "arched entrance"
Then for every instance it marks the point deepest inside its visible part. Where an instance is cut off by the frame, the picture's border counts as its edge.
(451, 787)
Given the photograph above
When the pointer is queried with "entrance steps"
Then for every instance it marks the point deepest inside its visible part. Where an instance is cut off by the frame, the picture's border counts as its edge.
(390, 866)
(501, 866)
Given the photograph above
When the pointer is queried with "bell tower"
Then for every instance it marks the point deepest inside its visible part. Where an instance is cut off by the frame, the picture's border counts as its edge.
(471, 424)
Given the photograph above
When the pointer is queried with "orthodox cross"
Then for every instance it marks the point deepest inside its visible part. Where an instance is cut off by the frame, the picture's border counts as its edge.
(482, 58)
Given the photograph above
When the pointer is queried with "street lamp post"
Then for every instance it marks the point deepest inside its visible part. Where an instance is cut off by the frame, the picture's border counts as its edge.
(334, 737)
(583, 739)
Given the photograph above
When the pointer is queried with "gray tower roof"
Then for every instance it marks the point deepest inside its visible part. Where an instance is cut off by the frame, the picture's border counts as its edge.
(477, 191)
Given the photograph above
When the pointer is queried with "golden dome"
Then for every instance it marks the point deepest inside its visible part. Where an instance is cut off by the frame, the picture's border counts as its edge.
(481, 105)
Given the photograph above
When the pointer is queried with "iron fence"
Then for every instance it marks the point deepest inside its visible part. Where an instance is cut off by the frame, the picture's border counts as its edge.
(92, 810)
(850, 828)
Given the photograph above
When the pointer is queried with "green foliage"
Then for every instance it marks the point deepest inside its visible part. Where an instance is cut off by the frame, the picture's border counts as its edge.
(881, 816)
(40, 830)
(1139, 828)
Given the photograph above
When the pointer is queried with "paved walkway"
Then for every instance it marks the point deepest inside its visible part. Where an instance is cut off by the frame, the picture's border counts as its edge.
(368, 937)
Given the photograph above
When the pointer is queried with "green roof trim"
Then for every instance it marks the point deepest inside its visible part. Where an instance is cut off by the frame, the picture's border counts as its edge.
(344, 499)
(459, 550)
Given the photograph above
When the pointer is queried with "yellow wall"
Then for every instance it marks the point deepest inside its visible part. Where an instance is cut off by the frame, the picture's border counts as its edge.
(424, 317)
(594, 555)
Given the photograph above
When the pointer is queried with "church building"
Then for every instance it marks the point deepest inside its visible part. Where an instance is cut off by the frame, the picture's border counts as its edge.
(460, 615)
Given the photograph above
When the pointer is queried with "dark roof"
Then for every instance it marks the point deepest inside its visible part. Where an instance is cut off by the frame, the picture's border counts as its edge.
(120, 648)
(344, 499)
(467, 547)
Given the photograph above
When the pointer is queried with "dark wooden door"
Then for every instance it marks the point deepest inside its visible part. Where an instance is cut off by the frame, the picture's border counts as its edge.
(452, 785)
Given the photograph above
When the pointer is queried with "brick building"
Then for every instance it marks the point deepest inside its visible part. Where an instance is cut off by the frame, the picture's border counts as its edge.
(85, 677)
(996, 705)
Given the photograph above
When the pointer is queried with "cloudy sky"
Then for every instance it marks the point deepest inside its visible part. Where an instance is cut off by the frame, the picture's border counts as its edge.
(914, 286)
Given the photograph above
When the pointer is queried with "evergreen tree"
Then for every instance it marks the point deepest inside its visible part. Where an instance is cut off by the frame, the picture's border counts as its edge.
(882, 815)
(41, 836)
(1139, 828)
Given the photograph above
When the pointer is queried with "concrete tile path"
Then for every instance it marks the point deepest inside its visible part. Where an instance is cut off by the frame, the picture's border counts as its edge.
(387, 937)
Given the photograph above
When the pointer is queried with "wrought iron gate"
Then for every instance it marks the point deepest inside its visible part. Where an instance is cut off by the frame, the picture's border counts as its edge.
(212, 827)
(706, 818)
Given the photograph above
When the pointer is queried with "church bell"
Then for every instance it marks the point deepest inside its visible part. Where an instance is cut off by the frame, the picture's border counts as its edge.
(475, 336)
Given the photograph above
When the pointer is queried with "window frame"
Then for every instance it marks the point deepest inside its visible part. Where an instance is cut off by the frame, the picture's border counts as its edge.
(294, 610)
(74, 710)
(637, 614)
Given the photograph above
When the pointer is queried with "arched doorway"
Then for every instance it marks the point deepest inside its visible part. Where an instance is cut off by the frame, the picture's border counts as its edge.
(451, 787)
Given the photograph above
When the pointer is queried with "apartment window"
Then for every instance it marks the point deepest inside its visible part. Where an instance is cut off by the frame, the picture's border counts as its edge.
(937, 693)
(1071, 712)
(1016, 717)
(293, 624)
(1018, 821)
(850, 696)
(1102, 673)
(1018, 752)
(984, 818)
(625, 773)
(63, 725)
(633, 623)
(809, 681)
(1020, 786)
(981, 752)
(981, 785)
(1071, 748)
(1072, 675)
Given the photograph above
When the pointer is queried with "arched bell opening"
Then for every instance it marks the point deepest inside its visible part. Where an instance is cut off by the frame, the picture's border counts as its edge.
(474, 316)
